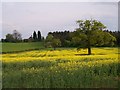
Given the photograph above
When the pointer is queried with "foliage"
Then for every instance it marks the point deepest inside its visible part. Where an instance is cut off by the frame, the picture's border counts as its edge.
(9, 38)
(78, 38)
(63, 36)
(39, 36)
(108, 39)
(52, 42)
(61, 68)
(91, 33)
(15, 37)
(116, 34)
(56, 43)
(34, 36)
(48, 41)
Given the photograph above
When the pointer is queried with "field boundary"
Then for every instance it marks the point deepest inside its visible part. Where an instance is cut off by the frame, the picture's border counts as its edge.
(11, 52)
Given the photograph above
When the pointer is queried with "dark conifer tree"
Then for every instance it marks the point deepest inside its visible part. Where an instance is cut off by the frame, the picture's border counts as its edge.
(39, 36)
(34, 36)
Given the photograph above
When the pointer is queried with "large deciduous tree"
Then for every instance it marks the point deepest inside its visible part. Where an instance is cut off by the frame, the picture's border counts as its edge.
(15, 37)
(91, 33)
(9, 38)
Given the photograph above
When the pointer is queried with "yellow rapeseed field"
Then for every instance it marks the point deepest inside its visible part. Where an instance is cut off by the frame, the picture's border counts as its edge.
(61, 68)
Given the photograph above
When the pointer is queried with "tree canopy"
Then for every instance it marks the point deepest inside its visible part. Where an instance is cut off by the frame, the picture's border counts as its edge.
(91, 33)
(52, 42)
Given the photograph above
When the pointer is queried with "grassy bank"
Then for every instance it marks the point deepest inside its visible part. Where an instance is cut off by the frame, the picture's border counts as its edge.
(15, 47)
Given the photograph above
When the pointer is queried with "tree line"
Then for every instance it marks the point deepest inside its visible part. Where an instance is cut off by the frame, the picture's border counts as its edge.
(70, 39)
(90, 33)
(17, 37)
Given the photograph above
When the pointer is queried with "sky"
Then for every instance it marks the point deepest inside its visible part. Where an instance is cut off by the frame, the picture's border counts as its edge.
(60, 0)
(26, 17)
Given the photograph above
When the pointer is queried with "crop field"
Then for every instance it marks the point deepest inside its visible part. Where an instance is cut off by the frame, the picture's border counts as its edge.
(15, 47)
(61, 68)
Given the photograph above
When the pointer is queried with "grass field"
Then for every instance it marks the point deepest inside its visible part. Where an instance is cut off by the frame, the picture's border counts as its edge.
(62, 68)
(15, 47)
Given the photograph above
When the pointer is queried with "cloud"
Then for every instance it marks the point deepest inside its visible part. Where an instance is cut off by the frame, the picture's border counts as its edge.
(27, 17)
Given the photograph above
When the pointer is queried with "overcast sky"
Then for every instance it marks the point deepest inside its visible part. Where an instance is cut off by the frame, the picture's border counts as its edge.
(26, 17)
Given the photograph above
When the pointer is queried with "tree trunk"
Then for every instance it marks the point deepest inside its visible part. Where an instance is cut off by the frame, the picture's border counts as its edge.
(89, 50)
(89, 45)
(54, 48)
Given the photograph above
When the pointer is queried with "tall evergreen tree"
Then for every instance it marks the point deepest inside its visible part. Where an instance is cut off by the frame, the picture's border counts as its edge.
(39, 36)
(34, 36)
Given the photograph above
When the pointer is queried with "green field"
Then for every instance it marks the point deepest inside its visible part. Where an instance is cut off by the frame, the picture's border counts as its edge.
(14, 47)
(61, 68)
